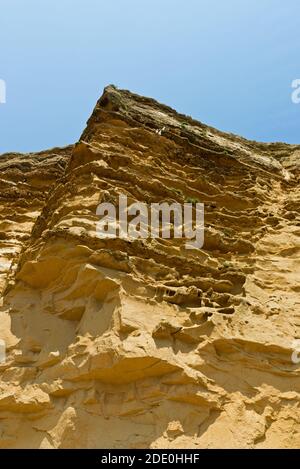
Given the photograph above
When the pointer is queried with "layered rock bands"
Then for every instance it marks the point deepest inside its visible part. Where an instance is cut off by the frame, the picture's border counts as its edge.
(115, 343)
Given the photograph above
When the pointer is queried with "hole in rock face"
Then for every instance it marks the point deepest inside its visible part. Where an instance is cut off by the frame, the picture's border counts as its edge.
(171, 292)
(104, 101)
(110, 103)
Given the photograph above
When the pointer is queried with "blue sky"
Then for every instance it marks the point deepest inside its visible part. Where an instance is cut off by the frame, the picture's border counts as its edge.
(227, 63)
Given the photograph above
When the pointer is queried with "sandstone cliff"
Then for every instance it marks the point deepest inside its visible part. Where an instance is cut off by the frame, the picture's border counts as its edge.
(137, 344)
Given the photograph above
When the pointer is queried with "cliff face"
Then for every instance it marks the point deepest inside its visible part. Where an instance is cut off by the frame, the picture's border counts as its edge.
(143, 343)
(25, 181)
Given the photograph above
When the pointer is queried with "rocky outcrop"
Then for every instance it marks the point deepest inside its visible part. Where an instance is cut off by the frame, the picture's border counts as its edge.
(143, 343)
(25, 181)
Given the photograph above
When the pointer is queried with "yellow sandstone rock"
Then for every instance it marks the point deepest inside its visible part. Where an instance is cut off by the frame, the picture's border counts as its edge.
(114, 343)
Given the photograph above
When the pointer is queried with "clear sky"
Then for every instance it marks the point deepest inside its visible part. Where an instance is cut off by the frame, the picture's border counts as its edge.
(227, 63)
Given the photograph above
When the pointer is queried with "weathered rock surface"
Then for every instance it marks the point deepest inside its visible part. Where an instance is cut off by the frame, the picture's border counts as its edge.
(137, 344)
(25, 181)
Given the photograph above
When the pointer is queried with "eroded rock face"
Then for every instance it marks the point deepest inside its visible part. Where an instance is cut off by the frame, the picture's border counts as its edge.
(25, 181)
(137, 344)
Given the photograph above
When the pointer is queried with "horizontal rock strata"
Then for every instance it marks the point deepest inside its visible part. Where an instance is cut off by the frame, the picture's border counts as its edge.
(115, 343)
